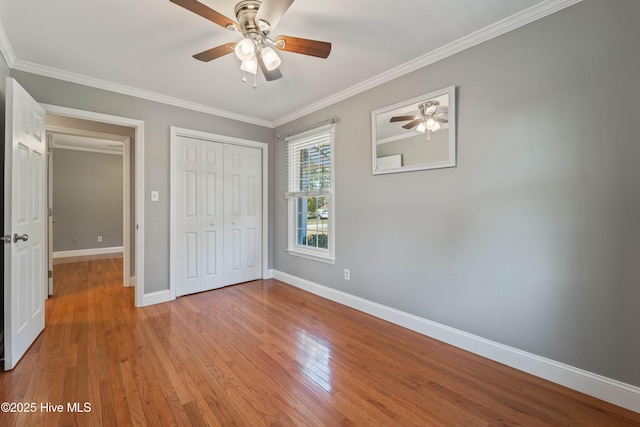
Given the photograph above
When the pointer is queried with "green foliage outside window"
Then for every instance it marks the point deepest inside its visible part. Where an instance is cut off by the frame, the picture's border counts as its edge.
(316, 240)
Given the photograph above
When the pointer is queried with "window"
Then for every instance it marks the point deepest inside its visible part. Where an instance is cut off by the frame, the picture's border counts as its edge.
(310, 192)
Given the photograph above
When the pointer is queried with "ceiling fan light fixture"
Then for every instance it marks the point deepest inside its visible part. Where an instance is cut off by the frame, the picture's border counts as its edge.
(250, 65)
(422, 127)
(245, 49)
(270, 58)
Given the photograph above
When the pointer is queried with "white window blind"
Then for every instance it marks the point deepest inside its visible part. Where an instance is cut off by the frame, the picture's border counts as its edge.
(309, 163)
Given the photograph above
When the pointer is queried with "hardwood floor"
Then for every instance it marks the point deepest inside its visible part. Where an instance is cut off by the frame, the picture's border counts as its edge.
(262, 353)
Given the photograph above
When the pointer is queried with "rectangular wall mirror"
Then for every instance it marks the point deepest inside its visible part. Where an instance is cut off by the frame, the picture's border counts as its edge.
(416, 134)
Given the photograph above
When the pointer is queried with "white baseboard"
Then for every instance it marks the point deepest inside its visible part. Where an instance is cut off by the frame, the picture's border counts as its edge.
(132, 281)
(155, 298)
(607, 389)
(87, 252)
(268, 274)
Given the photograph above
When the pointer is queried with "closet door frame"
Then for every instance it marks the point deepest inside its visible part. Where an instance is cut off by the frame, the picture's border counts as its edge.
(206, 136)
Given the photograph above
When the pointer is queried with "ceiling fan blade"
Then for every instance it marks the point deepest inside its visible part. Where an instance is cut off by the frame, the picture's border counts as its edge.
(304, 46)
(414, 123)
(402, 118)
(216, 52)
(271, 11)
(207, 13)
(441, 120)
(268, 74)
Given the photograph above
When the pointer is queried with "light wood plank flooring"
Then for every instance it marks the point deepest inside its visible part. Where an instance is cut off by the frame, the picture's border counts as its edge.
(262, 353)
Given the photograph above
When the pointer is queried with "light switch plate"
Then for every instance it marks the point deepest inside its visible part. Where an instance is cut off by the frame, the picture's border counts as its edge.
(155, 196)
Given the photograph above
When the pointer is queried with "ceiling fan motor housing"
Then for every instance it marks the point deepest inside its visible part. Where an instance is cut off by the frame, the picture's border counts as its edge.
(245, 13)
(429, 105)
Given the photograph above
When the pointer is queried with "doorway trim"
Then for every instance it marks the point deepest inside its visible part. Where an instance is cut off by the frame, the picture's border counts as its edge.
(264, 147)
(138, 125)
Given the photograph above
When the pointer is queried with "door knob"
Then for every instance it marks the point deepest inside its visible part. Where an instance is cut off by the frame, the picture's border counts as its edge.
(24, 237)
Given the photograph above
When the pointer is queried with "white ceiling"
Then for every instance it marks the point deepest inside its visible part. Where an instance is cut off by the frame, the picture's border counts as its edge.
(145, 47)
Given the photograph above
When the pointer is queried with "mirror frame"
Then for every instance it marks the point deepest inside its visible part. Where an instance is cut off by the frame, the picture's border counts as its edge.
(452, 143)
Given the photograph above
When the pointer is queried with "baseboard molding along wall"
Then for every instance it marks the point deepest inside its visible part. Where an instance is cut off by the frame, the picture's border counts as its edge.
(87, 252)
(607, 389)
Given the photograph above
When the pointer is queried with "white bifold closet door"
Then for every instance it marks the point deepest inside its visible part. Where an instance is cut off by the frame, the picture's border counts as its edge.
(218, 215)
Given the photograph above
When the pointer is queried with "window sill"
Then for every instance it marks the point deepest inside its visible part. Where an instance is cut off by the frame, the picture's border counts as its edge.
(315, 257)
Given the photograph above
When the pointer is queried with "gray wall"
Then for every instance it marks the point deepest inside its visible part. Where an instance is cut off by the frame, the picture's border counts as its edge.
(87, 200)
(532, 240)
(157, 119)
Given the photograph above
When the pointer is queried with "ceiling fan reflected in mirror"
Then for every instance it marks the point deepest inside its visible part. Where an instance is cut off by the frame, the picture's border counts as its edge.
(429, 119)
(256, 19)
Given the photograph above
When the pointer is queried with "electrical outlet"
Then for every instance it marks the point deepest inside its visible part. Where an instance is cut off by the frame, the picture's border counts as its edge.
(347, 274)
(99, 239)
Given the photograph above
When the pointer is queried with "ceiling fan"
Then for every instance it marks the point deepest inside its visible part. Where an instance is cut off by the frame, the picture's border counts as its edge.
(429, 119)
(256, 19)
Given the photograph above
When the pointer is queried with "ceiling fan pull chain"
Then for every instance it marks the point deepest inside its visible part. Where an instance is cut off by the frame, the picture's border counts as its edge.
(255, 81)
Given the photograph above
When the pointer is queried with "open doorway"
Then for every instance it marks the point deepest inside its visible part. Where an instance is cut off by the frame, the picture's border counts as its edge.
(131, 133)
(90, 195)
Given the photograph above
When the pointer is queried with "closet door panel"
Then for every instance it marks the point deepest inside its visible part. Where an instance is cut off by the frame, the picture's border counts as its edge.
(187, 245)
(212, 216)
(253, 213)
(243, 217)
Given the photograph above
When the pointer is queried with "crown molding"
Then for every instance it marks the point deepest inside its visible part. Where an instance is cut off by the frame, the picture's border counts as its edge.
(503, 26)
(5, 47)
(55, 73)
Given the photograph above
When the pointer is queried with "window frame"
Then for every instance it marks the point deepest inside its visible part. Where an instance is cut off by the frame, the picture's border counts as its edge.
(293, 248)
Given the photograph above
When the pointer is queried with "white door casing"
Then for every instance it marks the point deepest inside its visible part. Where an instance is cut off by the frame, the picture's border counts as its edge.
(25, 260)
(216, 214)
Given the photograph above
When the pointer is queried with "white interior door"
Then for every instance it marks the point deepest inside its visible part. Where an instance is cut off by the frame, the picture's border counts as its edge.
(198, 171)
(25, 259)
(242, 214)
